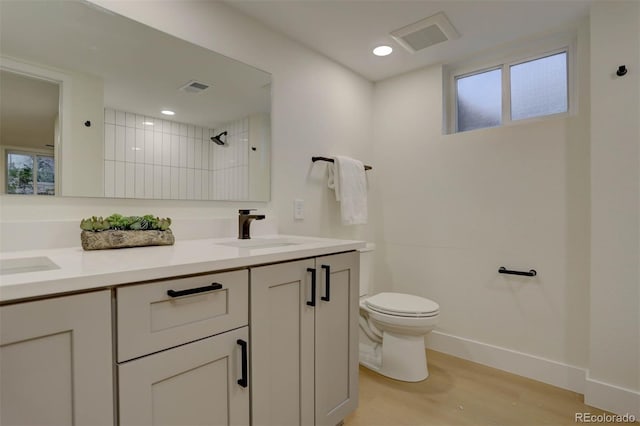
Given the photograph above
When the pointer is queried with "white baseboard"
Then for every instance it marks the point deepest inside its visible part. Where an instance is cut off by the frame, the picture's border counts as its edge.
(597, 394)
(612, 398)
(531, 366)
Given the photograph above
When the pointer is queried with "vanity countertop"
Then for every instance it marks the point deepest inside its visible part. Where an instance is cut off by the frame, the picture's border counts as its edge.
(81, 270)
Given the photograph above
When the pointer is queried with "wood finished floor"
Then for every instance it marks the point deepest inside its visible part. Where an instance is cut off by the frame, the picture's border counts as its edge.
(460, 392)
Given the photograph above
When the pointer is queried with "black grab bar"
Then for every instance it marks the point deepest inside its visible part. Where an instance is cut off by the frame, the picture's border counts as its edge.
(531, 273)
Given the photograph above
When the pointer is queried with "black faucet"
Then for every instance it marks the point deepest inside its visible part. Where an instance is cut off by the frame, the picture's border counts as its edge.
(244, 221)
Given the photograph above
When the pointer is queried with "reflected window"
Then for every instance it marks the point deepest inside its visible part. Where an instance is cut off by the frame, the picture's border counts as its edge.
(30, 173)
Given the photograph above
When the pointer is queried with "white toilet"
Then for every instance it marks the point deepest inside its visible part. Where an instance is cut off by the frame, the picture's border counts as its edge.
(392, 328)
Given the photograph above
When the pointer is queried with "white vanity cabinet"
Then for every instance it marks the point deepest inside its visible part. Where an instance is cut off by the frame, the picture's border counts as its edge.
(183, 351)
(56, 363)
(304, 341)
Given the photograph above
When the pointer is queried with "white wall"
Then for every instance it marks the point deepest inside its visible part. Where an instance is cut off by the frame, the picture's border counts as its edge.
(615, 224)
(318, 108)
(456, 207)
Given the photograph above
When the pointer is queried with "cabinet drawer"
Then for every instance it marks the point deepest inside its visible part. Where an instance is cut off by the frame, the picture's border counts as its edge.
(149, 320)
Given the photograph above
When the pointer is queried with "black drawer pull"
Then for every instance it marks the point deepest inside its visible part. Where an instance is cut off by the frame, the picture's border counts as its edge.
(178, 293)
(313, 287)
(531, 273)
(243, 381)
(327, 283)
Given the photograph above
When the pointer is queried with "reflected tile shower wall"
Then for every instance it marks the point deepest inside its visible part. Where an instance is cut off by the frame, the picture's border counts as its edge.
(148, 157)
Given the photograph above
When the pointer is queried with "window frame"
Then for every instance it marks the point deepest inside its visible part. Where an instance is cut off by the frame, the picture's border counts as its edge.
(504, 62)
(34, 154)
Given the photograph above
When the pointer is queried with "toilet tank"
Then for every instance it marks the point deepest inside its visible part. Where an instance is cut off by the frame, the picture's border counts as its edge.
(366, 268)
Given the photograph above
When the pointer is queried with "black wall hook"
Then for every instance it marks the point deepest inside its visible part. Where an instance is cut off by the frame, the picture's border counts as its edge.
(87, 123)
(622, 70)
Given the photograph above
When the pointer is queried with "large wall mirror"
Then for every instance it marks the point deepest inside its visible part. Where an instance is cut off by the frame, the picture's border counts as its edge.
(87, 97)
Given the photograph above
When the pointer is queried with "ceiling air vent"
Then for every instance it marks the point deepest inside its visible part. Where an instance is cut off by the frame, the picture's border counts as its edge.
(194, 87)
(426, 32)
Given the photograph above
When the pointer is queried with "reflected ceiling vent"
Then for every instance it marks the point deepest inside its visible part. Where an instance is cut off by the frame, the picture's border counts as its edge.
(194, 87)
(426, 32)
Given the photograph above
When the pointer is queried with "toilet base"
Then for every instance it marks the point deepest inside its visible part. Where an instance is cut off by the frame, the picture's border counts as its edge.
(403, 358)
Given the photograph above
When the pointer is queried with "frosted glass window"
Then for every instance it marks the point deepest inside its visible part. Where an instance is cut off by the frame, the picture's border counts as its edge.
(539, 87)
(479, 100)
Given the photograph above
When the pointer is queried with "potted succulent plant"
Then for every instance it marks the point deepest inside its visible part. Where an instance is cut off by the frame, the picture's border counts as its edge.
(117, 231)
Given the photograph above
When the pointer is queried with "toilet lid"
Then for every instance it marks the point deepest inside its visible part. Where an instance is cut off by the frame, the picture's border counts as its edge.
(402, 304)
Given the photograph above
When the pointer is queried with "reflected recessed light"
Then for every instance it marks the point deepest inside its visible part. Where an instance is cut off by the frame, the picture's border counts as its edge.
(148, 123)
(382, 50)
(136, 148)
(168, 112)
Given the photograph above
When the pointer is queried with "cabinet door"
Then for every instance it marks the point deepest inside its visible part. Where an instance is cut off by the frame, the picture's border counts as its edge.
(336, 337)
(282, 345)
(193, 384)
(56, 361)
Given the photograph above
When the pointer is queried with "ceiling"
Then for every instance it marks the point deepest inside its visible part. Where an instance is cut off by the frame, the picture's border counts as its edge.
(347, 30)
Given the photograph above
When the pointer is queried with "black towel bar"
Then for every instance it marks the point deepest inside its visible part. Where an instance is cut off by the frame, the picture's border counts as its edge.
(330, 160)
(531, 273)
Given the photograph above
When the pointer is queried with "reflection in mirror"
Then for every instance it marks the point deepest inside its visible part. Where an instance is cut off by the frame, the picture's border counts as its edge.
(107, 80)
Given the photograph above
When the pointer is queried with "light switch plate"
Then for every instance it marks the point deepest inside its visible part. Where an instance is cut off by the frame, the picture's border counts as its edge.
(298, 209)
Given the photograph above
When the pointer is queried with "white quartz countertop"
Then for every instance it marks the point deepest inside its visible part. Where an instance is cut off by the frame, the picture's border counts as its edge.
(81, 270)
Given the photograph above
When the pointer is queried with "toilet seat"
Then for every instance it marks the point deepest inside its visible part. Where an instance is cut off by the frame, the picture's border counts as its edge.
(402, 305)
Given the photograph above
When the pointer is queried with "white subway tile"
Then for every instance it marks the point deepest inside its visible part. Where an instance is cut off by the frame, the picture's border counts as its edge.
(130, 145)
(190, 153)
(109, 178)
(140, 146)
(120, 143)
(198, 154)
(148, 147)
(205, 155)
(109, 142)
(183, 151)
(109, 116)
(190, 183)
(157, 182)
(139, 121)
(121, 119)
(130, 119)
(175, 150)
(130, 180)
(205, 185)
(166, 149)
(148, 181)
(197, 184)
(119, 179)
(183, 184)
(157, 148)
(166, 182)
(139, 185)
(175, 183)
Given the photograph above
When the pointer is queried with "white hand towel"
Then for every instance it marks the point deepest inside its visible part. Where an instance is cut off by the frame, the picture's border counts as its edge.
(348, 180)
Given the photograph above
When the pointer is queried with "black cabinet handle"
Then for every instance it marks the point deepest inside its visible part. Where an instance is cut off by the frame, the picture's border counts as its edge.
(313, 287)
(531, 273)
(178, 293)
(327, 283)
(243, 380)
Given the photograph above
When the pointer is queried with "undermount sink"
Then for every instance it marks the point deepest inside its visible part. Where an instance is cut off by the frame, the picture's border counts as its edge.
(26, 264)
(258, 243)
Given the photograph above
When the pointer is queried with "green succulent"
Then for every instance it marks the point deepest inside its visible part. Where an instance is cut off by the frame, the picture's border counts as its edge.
(118, 222)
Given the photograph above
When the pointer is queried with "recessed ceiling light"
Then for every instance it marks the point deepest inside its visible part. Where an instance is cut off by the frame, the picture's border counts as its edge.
(382, 50)
(148, 123)
(167, 112)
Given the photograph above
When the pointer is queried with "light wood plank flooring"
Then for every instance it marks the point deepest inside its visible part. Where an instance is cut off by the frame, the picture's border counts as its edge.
(459, 392)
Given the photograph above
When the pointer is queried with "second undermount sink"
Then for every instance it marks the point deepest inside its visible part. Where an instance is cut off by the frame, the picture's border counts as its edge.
(26, 264)
(259, 243)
